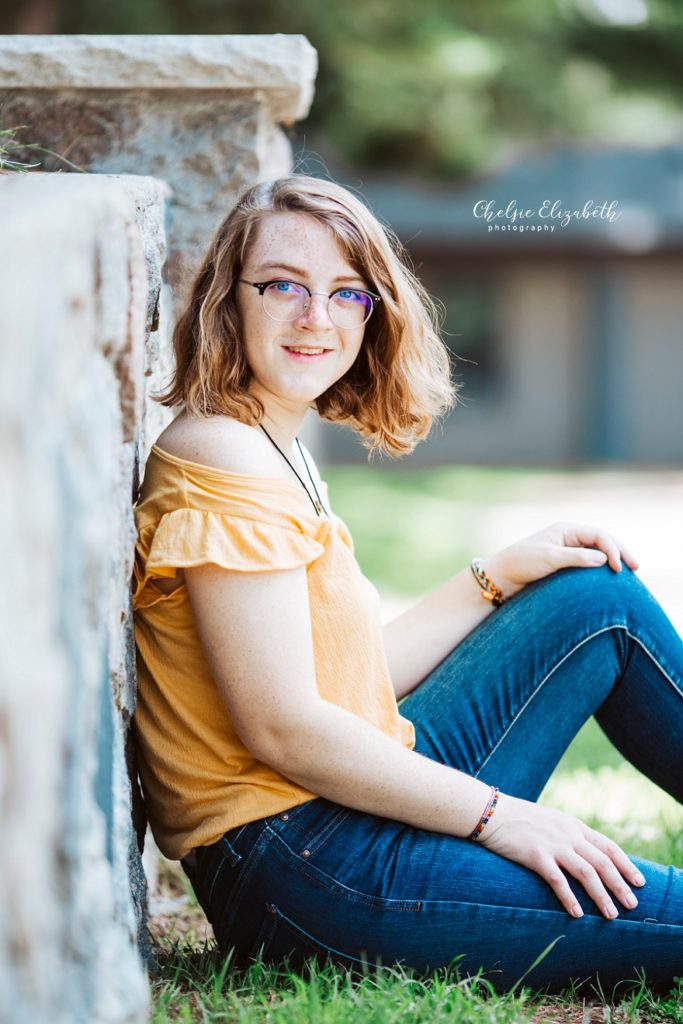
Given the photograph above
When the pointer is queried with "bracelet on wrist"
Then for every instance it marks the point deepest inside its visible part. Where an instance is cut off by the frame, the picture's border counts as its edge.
(486, 816)
(487, 588)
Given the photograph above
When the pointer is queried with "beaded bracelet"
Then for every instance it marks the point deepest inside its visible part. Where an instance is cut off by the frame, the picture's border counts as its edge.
(486, 816)
(489, 590)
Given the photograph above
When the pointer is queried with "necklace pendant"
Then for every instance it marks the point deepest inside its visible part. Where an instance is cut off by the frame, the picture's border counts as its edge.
(318, 508)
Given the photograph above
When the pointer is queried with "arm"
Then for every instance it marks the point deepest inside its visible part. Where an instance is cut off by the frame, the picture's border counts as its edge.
(263, 666)
(421, 637)
(255, 632)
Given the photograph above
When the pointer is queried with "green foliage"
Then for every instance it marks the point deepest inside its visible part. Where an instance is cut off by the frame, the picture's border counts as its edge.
(443, 87)
(10, 144)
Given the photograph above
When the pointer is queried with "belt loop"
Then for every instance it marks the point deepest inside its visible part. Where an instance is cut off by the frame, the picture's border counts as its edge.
(232, 853)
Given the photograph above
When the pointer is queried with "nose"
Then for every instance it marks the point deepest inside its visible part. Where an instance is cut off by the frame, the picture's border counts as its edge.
(316, 312)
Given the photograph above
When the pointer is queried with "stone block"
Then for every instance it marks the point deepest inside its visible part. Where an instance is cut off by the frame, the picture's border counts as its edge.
(202, 112)
(74, 301)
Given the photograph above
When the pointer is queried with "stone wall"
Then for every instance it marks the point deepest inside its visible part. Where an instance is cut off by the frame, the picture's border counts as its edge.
(85, 320)
(205, 113)
(80, 276)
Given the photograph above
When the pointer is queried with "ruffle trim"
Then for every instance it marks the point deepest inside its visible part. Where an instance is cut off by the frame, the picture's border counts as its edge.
(188, 537)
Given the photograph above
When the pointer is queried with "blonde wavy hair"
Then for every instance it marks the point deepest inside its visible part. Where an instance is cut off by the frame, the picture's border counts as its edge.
(400, 380)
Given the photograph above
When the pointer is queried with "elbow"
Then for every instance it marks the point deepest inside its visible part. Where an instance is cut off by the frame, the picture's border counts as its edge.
(272, 751)
(283, 744)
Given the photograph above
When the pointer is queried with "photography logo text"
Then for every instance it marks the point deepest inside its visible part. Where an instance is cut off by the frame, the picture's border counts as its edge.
(550, 214)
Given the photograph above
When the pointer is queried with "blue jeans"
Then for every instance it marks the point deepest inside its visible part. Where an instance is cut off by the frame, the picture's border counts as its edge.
(323, 879)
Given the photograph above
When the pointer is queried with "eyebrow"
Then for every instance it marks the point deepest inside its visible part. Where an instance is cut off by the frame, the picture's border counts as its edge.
(300, 272)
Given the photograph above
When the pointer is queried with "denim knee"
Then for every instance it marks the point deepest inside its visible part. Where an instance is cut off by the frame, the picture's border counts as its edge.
(621, 596)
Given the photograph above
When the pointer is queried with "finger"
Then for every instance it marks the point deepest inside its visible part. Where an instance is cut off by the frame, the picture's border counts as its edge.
(597, 539)
(621, 860)
(627, 555)
(617, 551)
(577, 556)
(585, 873)
(609, 875)
(550, 871)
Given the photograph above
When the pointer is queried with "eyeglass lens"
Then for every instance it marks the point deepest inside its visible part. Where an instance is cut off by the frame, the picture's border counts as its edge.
(285, 300)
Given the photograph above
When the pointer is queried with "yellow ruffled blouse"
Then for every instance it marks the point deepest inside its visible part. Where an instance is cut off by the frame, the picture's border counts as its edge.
(198, 778)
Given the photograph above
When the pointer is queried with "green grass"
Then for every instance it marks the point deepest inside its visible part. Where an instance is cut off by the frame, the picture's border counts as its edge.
(195, 984)
(409, 526)
(411, 530)
(391, 996)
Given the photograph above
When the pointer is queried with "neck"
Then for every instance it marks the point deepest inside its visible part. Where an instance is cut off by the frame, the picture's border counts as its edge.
(283, 423)
(316, 501)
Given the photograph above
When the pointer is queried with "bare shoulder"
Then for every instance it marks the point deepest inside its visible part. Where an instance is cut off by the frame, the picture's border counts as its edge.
(221, 443)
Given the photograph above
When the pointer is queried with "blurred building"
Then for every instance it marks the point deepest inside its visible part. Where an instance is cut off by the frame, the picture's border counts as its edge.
(561, 279)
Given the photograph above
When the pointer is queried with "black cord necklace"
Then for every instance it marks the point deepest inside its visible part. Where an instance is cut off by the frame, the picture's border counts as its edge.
(317, 504)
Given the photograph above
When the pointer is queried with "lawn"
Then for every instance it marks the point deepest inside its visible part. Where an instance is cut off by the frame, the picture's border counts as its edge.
(409, 526)
(410, 530)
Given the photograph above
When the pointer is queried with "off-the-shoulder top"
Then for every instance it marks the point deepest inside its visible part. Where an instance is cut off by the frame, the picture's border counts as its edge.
(198, 778)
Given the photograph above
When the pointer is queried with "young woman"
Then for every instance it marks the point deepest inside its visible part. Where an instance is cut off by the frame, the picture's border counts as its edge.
(311, 815)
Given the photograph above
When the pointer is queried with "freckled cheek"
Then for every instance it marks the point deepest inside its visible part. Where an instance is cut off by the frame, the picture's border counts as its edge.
(258, 349)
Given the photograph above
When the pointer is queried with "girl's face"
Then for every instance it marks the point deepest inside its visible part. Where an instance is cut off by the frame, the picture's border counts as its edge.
(294, 362)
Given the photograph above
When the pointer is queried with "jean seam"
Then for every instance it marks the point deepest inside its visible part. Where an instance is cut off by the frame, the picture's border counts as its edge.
(572, 650)
(224, 861)
(295, 929)
(345, 892)
(251, 862)
(319, 840)
(241, 830)
(652, 658)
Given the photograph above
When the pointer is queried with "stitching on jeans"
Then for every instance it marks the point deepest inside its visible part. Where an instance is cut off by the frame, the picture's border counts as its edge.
(226, 915)
(345, 892)
(591, 636)
(499, 908)
(333, 824)
(236, 837)
(314, 839)
(300, 934)
(225, 861)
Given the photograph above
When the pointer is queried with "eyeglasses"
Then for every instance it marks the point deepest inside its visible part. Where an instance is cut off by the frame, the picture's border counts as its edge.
(348, 308)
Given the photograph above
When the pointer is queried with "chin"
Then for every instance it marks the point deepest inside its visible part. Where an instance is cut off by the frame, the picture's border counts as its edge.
(306, 395)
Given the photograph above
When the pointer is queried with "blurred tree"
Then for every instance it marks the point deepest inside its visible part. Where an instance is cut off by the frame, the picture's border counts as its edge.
(440, 87)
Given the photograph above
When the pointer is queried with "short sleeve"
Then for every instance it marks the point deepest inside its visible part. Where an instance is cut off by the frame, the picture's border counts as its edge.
(189, 537)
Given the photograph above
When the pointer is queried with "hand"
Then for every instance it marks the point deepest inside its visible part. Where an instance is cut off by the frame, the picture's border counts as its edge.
(556, 547)
(551, 843)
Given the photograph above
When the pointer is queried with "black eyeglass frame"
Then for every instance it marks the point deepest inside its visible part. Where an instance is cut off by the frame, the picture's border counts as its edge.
(262, 285)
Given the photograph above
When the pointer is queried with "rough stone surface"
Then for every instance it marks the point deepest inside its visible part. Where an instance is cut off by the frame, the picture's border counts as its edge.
(208, 149)
(203, 113)
(281, 67)
(85, 347)
(75, 299)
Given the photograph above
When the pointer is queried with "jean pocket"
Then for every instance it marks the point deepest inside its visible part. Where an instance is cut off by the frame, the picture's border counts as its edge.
(308, 827)
(280, 938)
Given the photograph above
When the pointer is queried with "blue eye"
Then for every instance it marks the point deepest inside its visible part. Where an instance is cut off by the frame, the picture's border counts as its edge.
(350, 296)
(282, 286)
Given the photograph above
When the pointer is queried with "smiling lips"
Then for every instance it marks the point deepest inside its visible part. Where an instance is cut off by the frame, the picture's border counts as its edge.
(305, 352)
